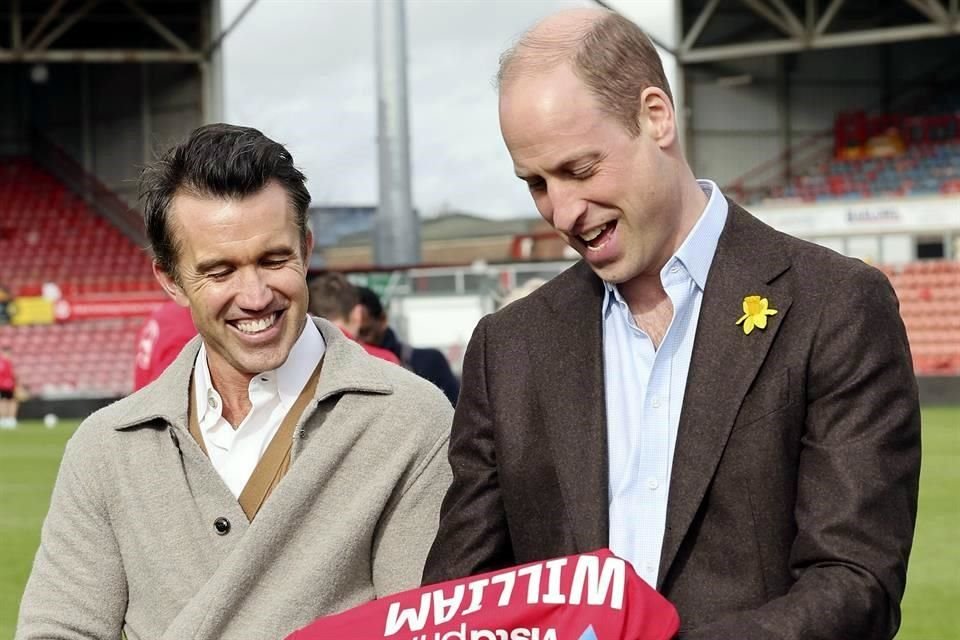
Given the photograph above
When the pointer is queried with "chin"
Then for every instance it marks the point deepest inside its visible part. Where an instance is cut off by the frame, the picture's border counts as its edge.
(609, 273)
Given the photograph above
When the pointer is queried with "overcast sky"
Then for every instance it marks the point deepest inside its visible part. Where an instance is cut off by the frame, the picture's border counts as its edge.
(303, 72)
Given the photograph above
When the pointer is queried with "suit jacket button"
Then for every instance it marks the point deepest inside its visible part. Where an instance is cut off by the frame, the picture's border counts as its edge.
(222, 526)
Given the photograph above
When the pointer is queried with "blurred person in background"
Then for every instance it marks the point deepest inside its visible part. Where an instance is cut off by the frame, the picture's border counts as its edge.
(429, 364)
(333, 297)
(159, 341)
(730, 409)
(7, 306)
(8, 390)
(274, 472)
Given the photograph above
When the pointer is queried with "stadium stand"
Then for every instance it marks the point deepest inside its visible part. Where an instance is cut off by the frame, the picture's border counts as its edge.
(49, 234)
(929, 293)
(91, 358)
(924, 169)
(873, 156)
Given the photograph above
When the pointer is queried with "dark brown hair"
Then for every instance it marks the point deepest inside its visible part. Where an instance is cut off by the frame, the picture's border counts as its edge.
(217, 161)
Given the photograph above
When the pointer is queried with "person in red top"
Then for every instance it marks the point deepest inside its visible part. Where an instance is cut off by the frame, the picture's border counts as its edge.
(8, 395)
(333, 297)
(160, 340)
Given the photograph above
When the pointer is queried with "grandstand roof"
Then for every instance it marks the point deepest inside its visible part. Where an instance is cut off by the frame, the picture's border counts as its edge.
(715, 30)
(113, 31)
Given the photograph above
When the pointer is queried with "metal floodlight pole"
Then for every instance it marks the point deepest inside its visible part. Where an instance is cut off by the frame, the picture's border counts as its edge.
(397, 229)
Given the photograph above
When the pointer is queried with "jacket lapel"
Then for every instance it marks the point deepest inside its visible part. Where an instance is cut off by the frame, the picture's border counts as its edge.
(569, 360)
(724, 364)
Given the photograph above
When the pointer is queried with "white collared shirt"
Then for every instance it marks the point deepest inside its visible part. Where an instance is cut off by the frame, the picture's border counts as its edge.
(235, 453)
(644, 390)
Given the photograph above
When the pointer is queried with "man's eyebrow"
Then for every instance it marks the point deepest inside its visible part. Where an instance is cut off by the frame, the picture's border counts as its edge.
(207, 266)
(282, 250)
(572, 161)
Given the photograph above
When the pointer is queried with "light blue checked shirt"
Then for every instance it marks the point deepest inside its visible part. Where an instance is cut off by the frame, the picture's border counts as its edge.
(644, 393)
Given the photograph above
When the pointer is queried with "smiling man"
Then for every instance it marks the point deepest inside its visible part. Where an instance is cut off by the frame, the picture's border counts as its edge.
(274, 472)
(730, 409)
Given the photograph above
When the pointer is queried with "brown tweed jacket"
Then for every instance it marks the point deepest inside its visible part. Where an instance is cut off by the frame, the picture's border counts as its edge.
(793, 494)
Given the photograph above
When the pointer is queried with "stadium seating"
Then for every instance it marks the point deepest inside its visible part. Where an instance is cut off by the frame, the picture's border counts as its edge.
(926, 169)
(48, 234)
(929, 293)
(92, 358)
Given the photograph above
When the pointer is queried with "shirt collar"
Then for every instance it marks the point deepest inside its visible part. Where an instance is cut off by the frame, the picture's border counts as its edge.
(696, 252)
(290, 377)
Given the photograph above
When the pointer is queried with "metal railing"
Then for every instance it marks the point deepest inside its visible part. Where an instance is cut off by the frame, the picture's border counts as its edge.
(98, 196)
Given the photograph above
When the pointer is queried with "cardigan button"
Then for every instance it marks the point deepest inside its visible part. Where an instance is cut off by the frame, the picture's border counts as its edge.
(222, 526)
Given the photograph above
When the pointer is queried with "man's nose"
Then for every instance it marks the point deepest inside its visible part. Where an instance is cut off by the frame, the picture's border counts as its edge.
(254, 293)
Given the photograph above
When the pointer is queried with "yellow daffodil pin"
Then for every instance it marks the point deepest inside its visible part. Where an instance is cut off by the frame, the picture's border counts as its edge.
(755, 312)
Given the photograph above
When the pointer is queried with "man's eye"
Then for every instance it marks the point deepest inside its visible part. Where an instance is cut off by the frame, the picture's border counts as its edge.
(536, 185)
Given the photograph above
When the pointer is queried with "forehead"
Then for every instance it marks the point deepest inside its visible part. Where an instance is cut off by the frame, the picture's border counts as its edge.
(551, 112)
(202, 223)
(269, 208)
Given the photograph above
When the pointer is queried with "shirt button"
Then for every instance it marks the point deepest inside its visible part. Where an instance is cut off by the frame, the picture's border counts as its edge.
(222, 526)
(656, 402)
(652, 484)
(674, 269)
(212, 401)
(650, 568)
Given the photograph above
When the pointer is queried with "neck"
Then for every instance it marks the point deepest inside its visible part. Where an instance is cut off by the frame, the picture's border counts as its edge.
(233, 387)
(645, 291)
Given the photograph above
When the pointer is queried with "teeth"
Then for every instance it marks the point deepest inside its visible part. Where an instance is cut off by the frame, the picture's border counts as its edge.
(256, 326)
(593, 233)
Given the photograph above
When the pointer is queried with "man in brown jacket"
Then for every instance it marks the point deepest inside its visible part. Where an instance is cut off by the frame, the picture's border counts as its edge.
(730, 409)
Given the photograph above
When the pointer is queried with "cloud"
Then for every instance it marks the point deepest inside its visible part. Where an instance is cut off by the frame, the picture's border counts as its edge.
(303, 72)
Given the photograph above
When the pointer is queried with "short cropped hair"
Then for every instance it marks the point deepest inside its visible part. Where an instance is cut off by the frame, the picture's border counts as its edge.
(613, 57)
(332, 296)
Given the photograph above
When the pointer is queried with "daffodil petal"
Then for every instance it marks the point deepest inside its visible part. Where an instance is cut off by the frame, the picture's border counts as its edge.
(742, 318)
(746, 306)
(761, 321)
(764, 303)
(771, 312)
(748, 325)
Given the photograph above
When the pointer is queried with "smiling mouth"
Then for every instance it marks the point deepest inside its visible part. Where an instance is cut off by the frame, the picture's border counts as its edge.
(258, 325)
(597, 238)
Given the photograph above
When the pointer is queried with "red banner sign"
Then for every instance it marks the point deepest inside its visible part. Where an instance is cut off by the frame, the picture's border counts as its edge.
(100, 306)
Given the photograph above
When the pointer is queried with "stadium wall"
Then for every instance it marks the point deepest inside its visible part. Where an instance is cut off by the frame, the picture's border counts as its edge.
(109, 118)
(12, 140)
(879, 230)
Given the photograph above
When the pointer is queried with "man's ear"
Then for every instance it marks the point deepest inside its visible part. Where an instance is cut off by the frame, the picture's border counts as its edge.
(657, 117)
(307, 248)
(170, 286)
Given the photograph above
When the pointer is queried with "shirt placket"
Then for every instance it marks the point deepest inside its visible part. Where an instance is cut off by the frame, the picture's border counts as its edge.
(654, 464)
